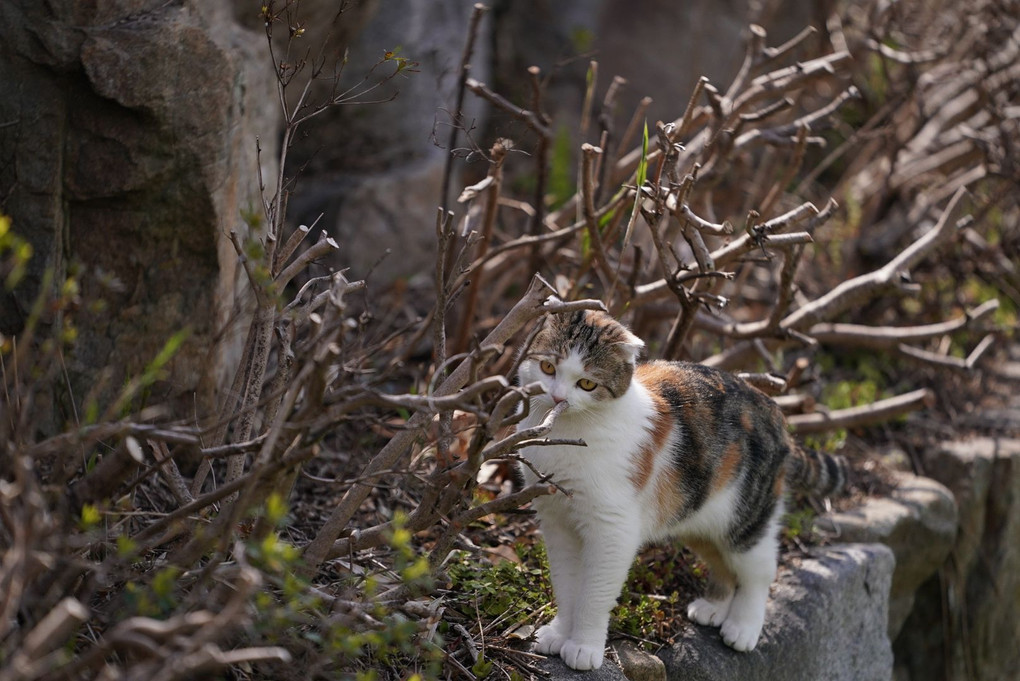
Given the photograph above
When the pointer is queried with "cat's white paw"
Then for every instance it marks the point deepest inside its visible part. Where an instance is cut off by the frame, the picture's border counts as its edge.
(742, 636)
(708, 613)
(549, 640)
(582, 656)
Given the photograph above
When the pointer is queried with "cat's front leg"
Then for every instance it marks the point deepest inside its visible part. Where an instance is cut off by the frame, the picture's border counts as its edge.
(606, 561)
(549, 638)
(563, 548)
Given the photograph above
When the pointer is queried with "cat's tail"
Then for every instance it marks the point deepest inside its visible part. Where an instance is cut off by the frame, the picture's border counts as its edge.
(816, 472)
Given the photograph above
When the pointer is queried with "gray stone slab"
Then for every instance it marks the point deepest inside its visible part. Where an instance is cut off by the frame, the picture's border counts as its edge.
(918, 521)
(826, 619)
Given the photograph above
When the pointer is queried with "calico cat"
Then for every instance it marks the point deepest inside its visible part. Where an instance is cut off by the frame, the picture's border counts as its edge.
(673, 450)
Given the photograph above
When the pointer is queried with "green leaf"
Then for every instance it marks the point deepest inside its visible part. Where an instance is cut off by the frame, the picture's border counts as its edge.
(276, 508)
(154, 370)
(170, 349)
(481, 668)
(561, 186)
(642, 168)
(416, 570)
(90, 517)
(164, 581)
(640, 177)
(126, 547)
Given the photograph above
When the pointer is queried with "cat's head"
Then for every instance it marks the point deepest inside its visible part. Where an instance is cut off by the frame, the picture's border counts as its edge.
(584, 357)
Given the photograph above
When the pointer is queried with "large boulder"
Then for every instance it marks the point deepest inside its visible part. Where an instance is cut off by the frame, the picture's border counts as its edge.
(129, 140)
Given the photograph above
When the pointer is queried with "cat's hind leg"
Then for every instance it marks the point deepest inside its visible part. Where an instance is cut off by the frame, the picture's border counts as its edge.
(712, 609)
(755, 570)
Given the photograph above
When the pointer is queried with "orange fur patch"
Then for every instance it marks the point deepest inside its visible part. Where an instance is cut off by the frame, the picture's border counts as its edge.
(728, 466)
(777, 488)
(667, 494)
(642, 472)
(653, 375)
(747, 421)
(661, 427)
(723, 579)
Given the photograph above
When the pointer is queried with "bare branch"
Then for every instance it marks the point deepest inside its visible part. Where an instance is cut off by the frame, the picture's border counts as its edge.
(535, 303)
(882, 410)
(171, 474)
(858, 289)
(323, 246)
(858, 335)
(530, 118)
(477, 11)
(967, 363)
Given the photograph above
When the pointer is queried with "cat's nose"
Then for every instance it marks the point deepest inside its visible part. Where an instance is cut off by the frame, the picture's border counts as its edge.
(557, 398)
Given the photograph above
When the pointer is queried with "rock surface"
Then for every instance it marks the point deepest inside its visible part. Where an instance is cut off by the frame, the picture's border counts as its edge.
(826, 619)
(964, 625)
(917, 521)
(132, 129)
(638, 665)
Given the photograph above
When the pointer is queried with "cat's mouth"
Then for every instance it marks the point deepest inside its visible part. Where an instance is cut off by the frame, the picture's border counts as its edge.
(550, 403)
(556, 408)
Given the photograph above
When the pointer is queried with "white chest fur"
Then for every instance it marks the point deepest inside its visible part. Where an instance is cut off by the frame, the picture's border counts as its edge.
(598, 475)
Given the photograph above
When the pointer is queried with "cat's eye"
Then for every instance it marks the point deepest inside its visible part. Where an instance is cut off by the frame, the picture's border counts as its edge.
(586, 384)
(547, 367)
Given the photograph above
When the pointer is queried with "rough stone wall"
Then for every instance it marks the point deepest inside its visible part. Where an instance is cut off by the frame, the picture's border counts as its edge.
(964, 624)
(128, 146)
(825, 620)
(918, 521)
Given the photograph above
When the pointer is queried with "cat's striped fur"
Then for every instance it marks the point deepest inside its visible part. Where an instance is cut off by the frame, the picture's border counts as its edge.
(673, 450)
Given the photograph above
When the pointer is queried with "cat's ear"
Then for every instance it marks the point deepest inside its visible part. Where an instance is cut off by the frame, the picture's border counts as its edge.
(631, 344)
